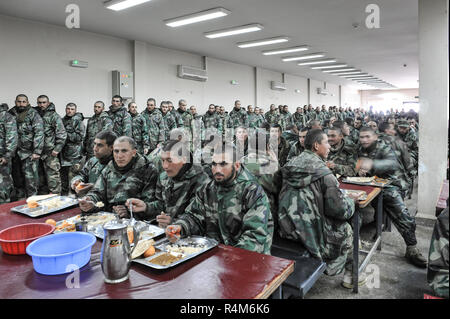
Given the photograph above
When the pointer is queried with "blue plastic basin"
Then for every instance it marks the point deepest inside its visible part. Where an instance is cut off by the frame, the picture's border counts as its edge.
(53, 253)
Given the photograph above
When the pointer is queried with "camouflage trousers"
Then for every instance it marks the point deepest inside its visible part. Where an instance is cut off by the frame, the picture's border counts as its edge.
(338, 252)
(7, 184)
(67, 174)
(51, 178)
(394, 206)
(25, 176)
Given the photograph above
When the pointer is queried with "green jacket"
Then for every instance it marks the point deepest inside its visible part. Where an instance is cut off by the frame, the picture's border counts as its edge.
(168, 124)
(285, 120)
(237, 118)
(235, 214)
(295, 150)
(140, 132)
(314, 211)
(54, 132)
(91, 170)
(272, 117)
(121, 120)
(300, 119)
(71, 152)
(8, 134)
(154, 121)
(344, 157)
(254, 121)
(30, 130)
(95, 124)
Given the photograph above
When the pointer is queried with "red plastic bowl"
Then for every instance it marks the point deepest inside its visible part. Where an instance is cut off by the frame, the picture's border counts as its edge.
(14, 240)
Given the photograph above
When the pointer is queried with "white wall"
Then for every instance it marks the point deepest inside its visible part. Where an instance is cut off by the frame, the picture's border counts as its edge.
(350, 97)
(35, 60)
(317, 99)
(388, 98)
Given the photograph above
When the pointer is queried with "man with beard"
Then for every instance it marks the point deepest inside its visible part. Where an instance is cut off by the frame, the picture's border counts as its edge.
(232, 208)
(97, 123)
(176, 186)
(253, 118)
(154, 121)
(237, 117)
(272, 116)
(378, 158)
(299, 117)
(168, 121)
(212, 122)
(8, 146)
(285, 118)
(30, 130)
(140, 130)
(71, 155)
(126, 176)
(88, 175)
(54, 139)
(342, 157)
(120, 117)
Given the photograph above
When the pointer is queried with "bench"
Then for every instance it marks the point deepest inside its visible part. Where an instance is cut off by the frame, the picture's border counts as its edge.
(306, 272)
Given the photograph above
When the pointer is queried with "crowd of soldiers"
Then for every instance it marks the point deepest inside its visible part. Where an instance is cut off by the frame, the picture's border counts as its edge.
(241, 177)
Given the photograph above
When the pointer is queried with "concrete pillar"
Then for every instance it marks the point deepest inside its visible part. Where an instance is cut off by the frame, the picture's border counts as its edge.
(140, 74)
(433, 97)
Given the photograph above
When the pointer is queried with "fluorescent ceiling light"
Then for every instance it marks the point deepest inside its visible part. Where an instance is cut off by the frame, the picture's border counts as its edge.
(329, 66)
(356, 79)
(118, 5)
(317, 62)
(348, 73)
(304, 57)
(233, 31)
(257, 43)
(197, 17)
(339, 70)
(354, 75)
(286, 50)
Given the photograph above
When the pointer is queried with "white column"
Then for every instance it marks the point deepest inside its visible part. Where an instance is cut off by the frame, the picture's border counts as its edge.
(433, 97)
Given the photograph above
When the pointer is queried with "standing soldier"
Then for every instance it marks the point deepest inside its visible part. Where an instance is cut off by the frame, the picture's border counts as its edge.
(8, 146)
(285, 118)
(54, 139)
(253, 118)
(259, 117)
(223, 120)
(178, 113)
(168, 121)
(197, 130)
(272, 117)
(213, 122)
(97, 123)
(237, 117)
(140, 130)
(279, 144)
(154, 121)
(121, 119)
(299, 117)
(30, 130)
(71, 153)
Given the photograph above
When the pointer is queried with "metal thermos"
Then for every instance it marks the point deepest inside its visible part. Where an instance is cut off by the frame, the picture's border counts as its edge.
(116, 251)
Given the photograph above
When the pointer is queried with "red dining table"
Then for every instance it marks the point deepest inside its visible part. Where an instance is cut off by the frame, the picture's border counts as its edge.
(223, 272)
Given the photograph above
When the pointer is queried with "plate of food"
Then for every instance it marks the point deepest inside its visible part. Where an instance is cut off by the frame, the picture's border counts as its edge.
(367, 181)
(168, 255)
(37, 208)
(362, 195)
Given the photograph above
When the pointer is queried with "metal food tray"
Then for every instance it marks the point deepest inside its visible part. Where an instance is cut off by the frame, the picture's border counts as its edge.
(42, 210)
(208, 244)
(372, 183)
(362, 196)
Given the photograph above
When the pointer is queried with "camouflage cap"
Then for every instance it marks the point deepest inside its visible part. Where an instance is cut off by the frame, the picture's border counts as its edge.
(402, 123)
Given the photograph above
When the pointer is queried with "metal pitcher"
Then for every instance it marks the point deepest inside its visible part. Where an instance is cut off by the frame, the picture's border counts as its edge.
(116, 251)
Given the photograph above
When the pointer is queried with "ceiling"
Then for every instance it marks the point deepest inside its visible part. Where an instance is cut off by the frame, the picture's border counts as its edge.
(389, 53)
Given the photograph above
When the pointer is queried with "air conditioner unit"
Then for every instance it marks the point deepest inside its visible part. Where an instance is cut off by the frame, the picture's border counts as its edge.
(279, 86)
(191, 73)
(322, 91)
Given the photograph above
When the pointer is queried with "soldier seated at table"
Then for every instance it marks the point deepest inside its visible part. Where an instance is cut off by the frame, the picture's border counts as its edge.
(378, 158)
(314, 212)
(128, 174)
(176, 186)
(232, 208)
(87, 176)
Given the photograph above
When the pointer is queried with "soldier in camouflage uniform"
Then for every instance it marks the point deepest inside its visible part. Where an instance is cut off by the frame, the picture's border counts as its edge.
(342, 157)
(92, 169)
(54, 140)
(176, 186)
(299, 146)
(71, 155)
(126, 176)
(121, 119)
(178, 113)
(232, 208)
(224, 120)
(299, 118)
(409, 136)
(280, 146)
(313, 211)
(213, 122)
(154, 120)
(290, 134)
(285, 118)
(8, 146)
(30, 130)
(272, 116)
(354, 134)
(437, 272)
(237, 117)
(196, 129)
(140, 130)
(254, 121)
(97, 123)
(378, 158)
(168, 121)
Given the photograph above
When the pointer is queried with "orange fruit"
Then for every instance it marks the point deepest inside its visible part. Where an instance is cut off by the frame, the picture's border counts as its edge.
(130, 235)
(80, 186)
(32, 204)
(149, 252)
(51, 222)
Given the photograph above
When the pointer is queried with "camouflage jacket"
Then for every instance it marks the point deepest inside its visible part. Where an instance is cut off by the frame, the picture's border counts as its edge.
(114, 187)
(154, 121)
(402, 152)
(235, 214)
(95, 124)
(437, 273)
(385, 164)
(173, 195)
(140, 132)
(237, 118)
(168, 124)
(299, 119)
(54, 132)
(412, 141)
(254, 121)
(213, 120)
(344, 157)
(283, 151)
(295, 150)
(8, 134)
(354, 135)
(30, 130)
(177, 115)
(71, 152)
(121, 120)
(272, 117)
(290, 136)
(314, 211)
(91, 170)
(285, 120)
